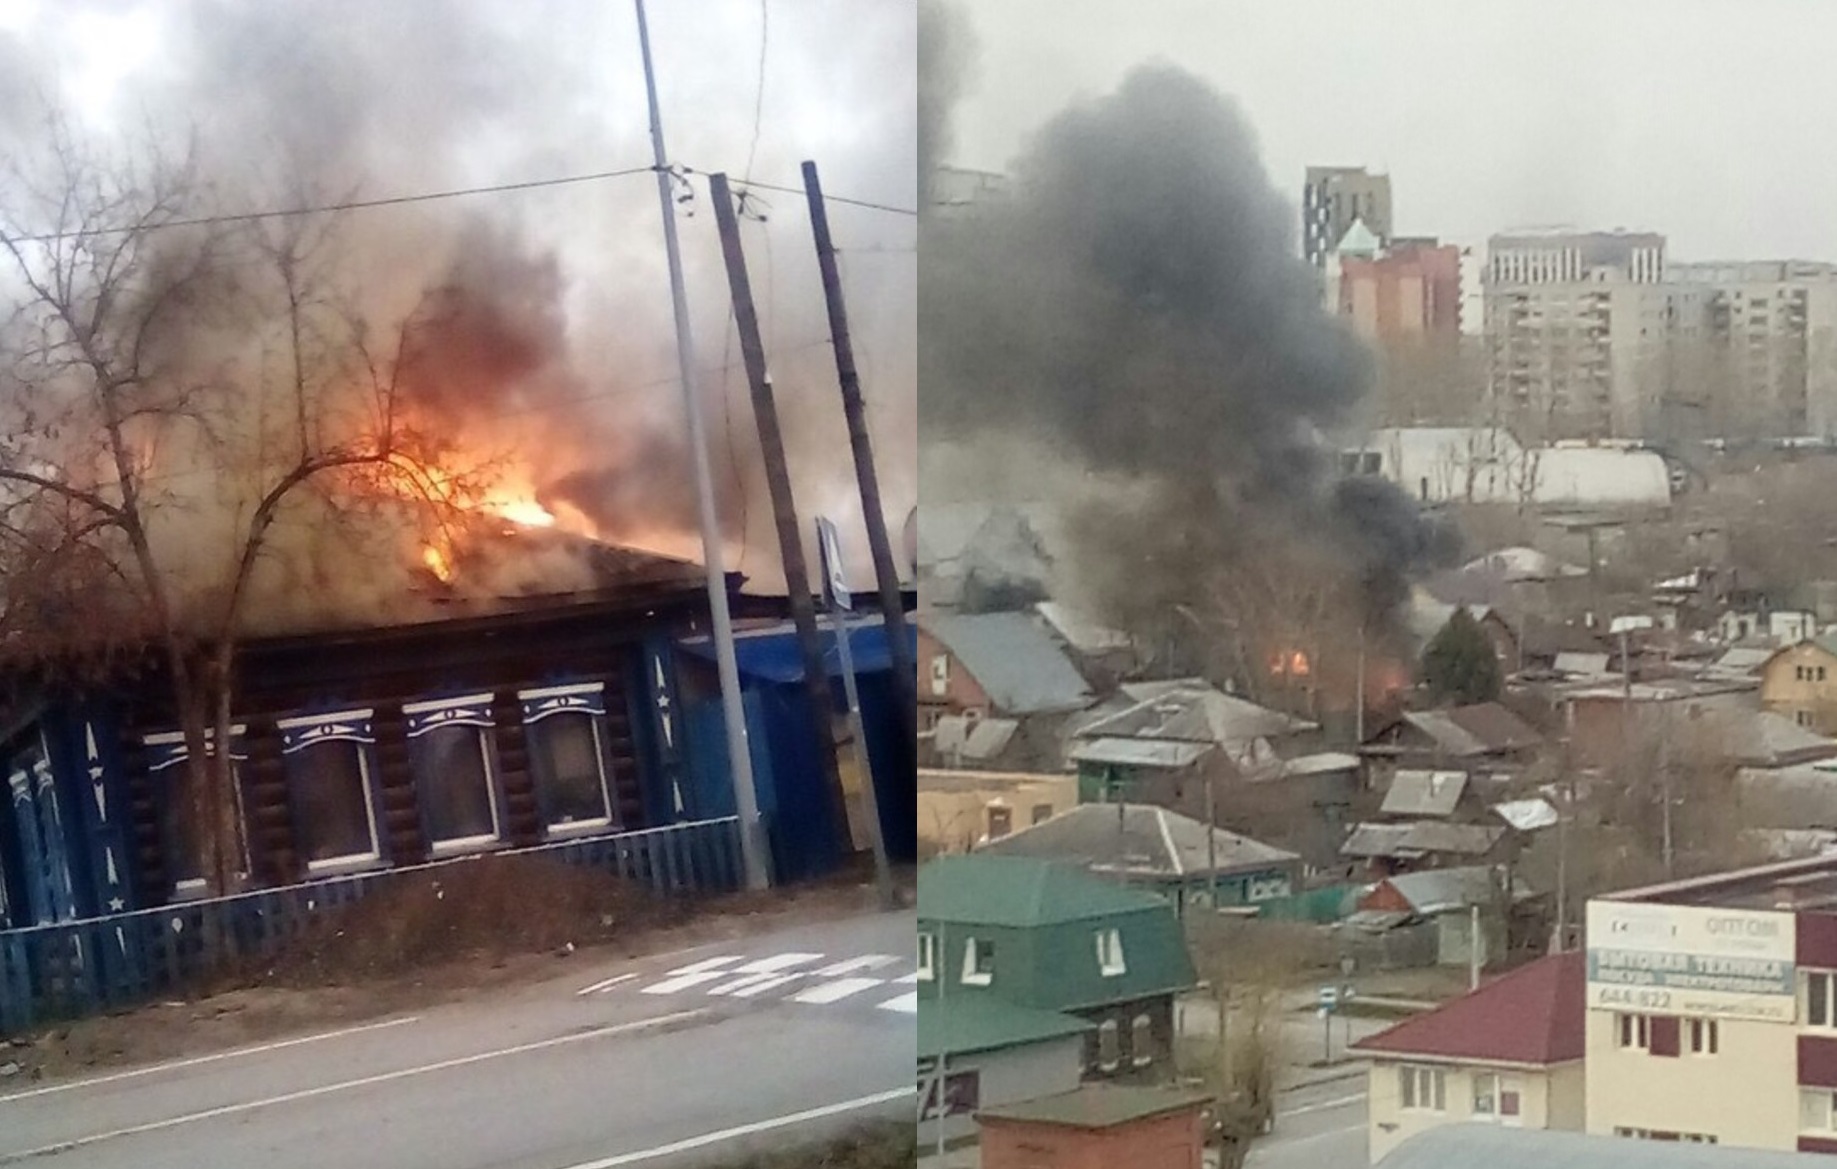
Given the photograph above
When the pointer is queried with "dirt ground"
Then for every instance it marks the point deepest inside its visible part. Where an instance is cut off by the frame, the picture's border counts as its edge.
(883, 1145)
(469, 931)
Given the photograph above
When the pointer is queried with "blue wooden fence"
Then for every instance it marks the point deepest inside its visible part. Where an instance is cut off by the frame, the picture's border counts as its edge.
(79, 968)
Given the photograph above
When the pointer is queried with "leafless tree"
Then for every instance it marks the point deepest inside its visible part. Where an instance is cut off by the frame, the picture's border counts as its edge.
(186, 387)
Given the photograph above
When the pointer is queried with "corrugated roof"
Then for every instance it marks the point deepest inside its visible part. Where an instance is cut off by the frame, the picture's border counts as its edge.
(1100, 1105)
(1139, 752)
(1014, 659)
(1079, 631)
(982, 1022)
(1138, 841)
(1424, 793)
(1196, 714)
(1462, 1146)
(1436, 891)
(978, 739)
(1420, 839)
(1527, 815)
(1020, 891)
(1484, 728)
(1533, 1015)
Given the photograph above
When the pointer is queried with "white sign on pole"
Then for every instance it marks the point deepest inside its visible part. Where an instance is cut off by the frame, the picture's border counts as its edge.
(1692, 960)
(835, 579)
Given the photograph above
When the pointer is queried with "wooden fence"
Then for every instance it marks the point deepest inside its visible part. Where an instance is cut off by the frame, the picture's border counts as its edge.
(78, 968)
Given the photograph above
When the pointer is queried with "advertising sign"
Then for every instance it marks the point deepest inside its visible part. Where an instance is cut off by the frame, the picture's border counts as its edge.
(1691, 960)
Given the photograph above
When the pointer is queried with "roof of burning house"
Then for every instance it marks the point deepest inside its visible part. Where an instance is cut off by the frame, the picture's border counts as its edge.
(1194, 712)
(1424, 793)
(1139, 841)
(1014, 659)
(1419, 839)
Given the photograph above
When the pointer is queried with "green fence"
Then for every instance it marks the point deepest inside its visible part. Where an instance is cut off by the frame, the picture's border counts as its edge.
(1321, 906)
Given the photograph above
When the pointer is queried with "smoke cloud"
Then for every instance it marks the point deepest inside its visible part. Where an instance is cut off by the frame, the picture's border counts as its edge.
(1137, 305)
(946, 57)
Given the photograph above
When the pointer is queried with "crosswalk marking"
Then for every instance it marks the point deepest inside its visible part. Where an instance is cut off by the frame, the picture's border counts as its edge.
(851, 965)
(829, 992)
(740, 977)
(776, 963)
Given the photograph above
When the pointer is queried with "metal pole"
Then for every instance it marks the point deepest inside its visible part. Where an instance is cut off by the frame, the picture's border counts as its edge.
(1473, 948)
(883, 872)
(739, 757)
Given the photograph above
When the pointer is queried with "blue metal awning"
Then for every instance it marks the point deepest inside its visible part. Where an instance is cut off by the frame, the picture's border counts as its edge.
(772, 654)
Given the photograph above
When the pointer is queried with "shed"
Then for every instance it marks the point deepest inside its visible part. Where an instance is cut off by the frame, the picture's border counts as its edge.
(1097, 1127)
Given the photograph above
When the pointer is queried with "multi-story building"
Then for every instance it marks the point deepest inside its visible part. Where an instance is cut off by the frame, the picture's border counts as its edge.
(1712, 1009)
(1333, 198)
(1572, 321)
(1408, 292)
(1769, 333)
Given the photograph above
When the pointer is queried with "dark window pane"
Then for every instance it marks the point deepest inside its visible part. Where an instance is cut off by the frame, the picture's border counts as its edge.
(1818, 989)
(454, 786)
(573, 782)
(331, 812)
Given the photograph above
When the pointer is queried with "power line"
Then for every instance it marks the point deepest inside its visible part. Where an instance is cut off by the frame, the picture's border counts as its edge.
(765, 32)
(329, 208)
(829, 198)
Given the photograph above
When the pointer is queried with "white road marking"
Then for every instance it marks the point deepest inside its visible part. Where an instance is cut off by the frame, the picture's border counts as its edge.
(913, 977)
(829, 992)
(347, 1085)
(715, 963)
(776, 963)
(194, 1061)
(748, 985)
(1323, 1106)
(684, 982)
(728, 1134)
(851, 965)
(772, 982)
(606, 983)
(905, 1004)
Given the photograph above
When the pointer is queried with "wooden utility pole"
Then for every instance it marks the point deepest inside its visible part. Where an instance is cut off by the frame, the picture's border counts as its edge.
(892, 604)
(784, 507)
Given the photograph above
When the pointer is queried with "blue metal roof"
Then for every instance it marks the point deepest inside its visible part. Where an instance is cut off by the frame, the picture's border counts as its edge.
(772, 654)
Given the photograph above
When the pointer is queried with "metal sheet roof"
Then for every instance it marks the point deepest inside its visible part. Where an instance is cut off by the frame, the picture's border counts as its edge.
(1139, 841)
(1420, 839)
(1014, 659)
(1424, 793)
(1196, 714)
(1139, 752)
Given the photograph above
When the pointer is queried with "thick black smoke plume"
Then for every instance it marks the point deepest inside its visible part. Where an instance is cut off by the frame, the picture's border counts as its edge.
(1138, 304)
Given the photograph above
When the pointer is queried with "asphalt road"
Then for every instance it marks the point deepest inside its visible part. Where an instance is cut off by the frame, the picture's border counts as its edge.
(1320, 1126)
(665, 1063)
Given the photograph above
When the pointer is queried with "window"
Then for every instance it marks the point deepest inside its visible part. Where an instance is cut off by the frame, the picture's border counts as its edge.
(1041, 813)
(1424, 1089)
(1820, 997)
(1635, 1032)
(1110, 953)
(1820, 673)
(1496, 1098)
(978, 962)
(927, 957)
(1001, 821)
(328, 767)
(1705, 1037)
(450, 746)
(1109, 1045)
(1802, 717)
(568, 755)
(1141, 1041)
(962, 1094)
(1817, 1110)
(168, 758)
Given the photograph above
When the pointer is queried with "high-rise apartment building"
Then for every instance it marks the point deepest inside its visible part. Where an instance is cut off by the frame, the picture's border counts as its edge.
(1758, 347)
(1408, 292)
(1573, 321)
(1332, 199)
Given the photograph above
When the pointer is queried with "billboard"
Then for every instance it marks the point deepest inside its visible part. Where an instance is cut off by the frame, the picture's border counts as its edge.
(1691, 960)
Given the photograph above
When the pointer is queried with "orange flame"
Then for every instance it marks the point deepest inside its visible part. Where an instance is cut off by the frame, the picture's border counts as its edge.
(1291, 662)
(437, 562)
(522, 510)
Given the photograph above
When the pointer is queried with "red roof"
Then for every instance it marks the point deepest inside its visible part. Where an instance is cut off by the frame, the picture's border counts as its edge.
(1534, 1015)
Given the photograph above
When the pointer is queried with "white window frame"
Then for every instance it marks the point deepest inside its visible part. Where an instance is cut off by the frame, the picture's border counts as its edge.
(1499, 1087)
(355, 860)
(1418, 1083)
(1138, 1026)
(572, 827)
(1632, 1032)
(1114, 1031)
(1703, 1038)
(1111, 962)
(927, 956)
(457, 844)
(1829, 979)
(973, 974)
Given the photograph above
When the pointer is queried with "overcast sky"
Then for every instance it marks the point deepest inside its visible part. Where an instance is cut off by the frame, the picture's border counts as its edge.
(1708, 120)
(391, 96)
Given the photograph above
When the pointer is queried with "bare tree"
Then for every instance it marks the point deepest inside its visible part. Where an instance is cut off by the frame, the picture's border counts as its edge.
(187, 387)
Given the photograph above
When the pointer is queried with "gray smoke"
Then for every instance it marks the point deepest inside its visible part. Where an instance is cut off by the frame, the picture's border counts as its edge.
(946, 59)
(1138, 304)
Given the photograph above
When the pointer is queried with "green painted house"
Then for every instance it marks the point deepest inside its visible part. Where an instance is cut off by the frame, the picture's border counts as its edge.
(1043, 935)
